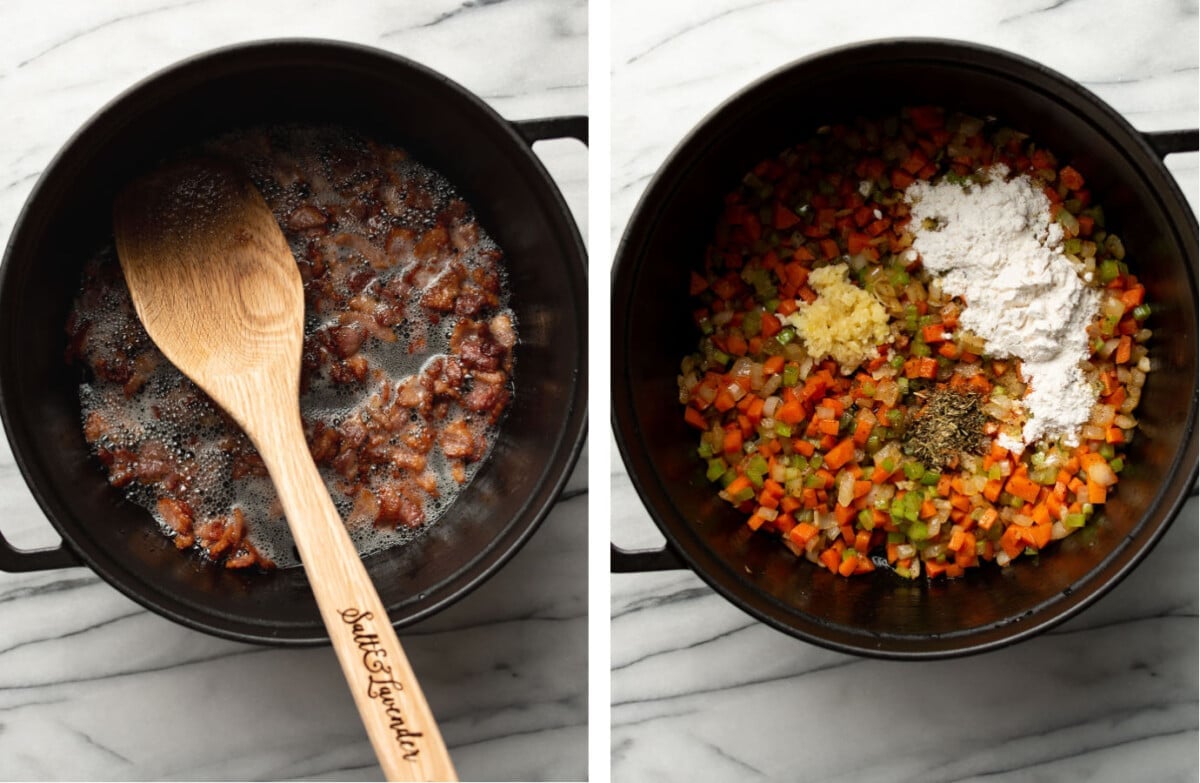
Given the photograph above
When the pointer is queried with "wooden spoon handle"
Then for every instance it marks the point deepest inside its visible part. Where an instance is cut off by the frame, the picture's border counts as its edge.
(398, 720)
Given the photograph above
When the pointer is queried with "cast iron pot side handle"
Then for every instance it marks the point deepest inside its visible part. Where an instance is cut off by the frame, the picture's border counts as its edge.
(15, 560)
(573, 127)
(636, 561)
(1167, 142)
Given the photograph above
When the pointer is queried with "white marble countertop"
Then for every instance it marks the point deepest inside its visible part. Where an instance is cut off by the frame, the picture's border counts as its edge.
(700, 690)
(94, 687)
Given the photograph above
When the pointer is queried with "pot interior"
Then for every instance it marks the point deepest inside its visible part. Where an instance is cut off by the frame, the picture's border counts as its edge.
(882, 613)
(386, 98)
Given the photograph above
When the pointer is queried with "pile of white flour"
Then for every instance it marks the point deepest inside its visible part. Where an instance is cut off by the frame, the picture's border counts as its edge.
(995, 247)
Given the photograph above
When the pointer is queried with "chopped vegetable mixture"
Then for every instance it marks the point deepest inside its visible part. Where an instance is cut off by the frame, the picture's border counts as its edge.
(887, 455)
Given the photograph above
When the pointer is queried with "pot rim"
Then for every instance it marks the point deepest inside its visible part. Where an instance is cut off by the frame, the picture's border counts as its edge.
(571, 432)
(709, 566)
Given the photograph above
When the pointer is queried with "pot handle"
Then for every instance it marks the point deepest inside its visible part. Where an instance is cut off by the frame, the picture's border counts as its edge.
(17, 561)
(572, 127)
(1167, 142)
(636, 561)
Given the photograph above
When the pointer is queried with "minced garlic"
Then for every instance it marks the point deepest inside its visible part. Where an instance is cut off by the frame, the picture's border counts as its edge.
(843, 322)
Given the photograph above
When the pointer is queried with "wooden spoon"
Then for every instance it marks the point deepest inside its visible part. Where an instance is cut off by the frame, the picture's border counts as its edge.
(217, 288)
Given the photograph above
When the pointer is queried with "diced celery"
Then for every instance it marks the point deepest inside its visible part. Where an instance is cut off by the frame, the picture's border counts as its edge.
(913, 471)
(1109, 270)
(1107, 451)
(931, 478)
(716, 469)
(866, 519)
(791, 375)
(785, 336)
(1074, 520)
(1141, 312)
(705, 451)
(783, 430)
(1117, 464)
(752, 323)
(918, 531)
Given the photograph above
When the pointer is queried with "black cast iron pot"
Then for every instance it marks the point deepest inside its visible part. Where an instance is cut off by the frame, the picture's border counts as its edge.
(882, 614)
(67, 218)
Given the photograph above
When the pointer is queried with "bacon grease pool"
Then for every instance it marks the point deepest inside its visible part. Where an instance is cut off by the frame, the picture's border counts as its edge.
(406, 370)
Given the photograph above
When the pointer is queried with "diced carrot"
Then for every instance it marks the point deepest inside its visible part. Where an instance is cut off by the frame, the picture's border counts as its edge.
(830, 248)
(803, 447)
(1020, 485)
(754, 411)
(1086, 224)
(1013, 540)
(695, 418)
(755, 521)
(988, 519)
(948, 350)
(857, 242)
(738, 485)
(901, 179)
(724, 401)
(787, 306)
(1040, 534)
(992, 489)
(1124, 350)
(733, 444)
(956, 540)
(840, 454)
(926, 117)
(831, 559)
(1114, 435)
(1096, 493)
(828, 426)
(943, 485)
(927, 509)
(1071, 178)
(770, 326)
(862, 431)
(1133, 297)
(698, 284)
(784, 217)
(848, 566)
(933, 568)
(737, 344)
(773, 365)
(861, 488)
(802, 533)
(932, 333)
(791, 412)
(809, 496)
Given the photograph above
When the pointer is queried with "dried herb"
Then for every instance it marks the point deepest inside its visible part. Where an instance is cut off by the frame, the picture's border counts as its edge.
(951, 422)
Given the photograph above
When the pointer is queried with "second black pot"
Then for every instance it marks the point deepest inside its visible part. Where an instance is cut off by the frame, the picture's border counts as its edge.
(881, 614)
